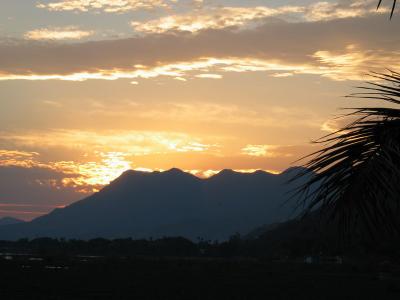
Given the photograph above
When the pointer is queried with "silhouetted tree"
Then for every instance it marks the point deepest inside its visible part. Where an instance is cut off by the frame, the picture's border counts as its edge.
(357, 172)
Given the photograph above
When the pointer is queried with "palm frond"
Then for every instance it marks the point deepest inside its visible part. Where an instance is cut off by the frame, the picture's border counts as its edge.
(393, 7)
(356, 175)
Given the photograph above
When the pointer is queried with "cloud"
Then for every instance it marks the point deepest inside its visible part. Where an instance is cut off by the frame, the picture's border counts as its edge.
(75, 177)
(26, 211)
(212, 18)
(347, 52)
(17, 158)
(43, 185)
(98, 158)
(49, 189)
(325, 11)
(107, 154)
(184, 69)
(210, 76)
(130, 142)
(230, 114)
(353, 63)
(109, 6)
(95, 172)
(348, 64)
(210, 173)
(335, 124)
(82, 177)
(58, 33)
(262, 151)
(217, 17)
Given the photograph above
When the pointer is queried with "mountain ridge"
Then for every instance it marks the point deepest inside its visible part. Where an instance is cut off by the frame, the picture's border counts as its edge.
(170, 203)
(10, 221)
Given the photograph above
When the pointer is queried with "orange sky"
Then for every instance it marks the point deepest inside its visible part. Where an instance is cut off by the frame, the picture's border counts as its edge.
(108, 86)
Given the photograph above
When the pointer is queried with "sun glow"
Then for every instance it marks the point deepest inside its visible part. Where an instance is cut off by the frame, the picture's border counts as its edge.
(96, 174)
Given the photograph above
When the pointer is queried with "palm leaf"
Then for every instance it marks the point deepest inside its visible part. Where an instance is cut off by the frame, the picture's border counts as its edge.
(393, 7)
(356, 175)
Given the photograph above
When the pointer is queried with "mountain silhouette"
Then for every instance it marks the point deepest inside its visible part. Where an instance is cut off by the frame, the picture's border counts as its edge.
(170, 203)
(9, 221)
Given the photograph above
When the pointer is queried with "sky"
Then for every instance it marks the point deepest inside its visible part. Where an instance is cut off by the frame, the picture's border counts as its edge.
(91, 88)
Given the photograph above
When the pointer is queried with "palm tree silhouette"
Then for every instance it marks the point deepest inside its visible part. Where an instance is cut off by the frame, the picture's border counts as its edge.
(356, 175)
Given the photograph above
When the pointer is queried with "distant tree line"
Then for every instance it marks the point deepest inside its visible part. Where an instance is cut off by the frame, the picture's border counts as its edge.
(285, 243)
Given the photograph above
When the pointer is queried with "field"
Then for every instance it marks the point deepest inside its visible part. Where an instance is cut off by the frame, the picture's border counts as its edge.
(26, 277)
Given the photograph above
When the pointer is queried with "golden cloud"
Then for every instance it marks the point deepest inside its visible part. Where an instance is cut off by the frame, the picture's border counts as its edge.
(18, 158)
(212, 18)
(268, 116)
(89, 176)
(134, 143)
(210, 173)
(84, 177)
(58, 33)
(325, 11)
(209, 76)
(350, 64)
(110, 6)
(94, 174)
(335, 124)
(346, 53)
(354, 63)
(98, 158)
(223, 17)
(261, 150)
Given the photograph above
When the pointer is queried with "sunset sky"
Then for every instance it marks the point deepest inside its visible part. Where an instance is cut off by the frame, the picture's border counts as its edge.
(91, 88)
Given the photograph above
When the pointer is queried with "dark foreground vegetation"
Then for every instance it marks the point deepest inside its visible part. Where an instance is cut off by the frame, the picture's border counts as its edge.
(290, 261)
(292, 240)
(190, 278)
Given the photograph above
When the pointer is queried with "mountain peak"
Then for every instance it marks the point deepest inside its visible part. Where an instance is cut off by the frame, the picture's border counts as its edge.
(170, 203)
(178, 174)
(225, 172)
(174, 171)
(129, 174)
(262, 172)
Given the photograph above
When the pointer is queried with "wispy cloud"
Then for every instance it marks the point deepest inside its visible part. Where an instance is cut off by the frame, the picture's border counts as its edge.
(209, 17)
(131, 142)
(180, 70)
(210, 173)
(230, 114)
(212, 18)
(348, 64)
(353, 63)
(338, 123)
(110, 6)
(263, 151)
(83, 177)
(111, 153)
(18, 158)
(347, 53)
(325, 11)
(209, 76)
(89, 176)
(58, 33)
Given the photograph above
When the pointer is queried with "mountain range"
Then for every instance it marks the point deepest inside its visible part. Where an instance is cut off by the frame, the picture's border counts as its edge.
(171, 203)
(10, 221)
